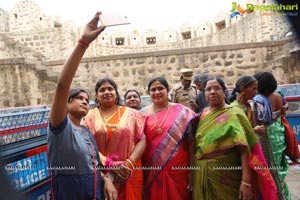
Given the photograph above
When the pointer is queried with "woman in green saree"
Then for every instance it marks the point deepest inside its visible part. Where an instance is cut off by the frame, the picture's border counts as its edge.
(268, 110)
(228, 153)
(241, 97)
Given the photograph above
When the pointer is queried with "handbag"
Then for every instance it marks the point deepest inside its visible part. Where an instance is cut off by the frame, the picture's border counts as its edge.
(292, 149)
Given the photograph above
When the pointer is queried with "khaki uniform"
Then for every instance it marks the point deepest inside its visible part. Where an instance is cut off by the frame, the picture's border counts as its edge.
(182, 96)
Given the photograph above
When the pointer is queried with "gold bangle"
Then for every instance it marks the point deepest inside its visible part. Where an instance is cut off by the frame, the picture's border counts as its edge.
(132, 160)
(130, 163)
(247, 184)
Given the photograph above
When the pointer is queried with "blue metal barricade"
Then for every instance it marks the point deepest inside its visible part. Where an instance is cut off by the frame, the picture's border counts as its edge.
(291, 94)
(14, 118)
(23, 149)
(25, 123)
(29, 170)
(10, 136)
(293, 114)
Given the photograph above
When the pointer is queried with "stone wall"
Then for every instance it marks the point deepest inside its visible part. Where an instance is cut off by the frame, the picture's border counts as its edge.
(28, 82)
(57, 42)
(22, 84)
(29, 26)
(33, 48)
(50, 43)
(4, 17)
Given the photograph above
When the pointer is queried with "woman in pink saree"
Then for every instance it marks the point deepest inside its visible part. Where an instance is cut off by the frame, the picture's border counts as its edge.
(165, 160)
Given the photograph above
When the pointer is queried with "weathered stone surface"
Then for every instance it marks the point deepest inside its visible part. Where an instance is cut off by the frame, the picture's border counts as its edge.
(227, 63)
(31, 59)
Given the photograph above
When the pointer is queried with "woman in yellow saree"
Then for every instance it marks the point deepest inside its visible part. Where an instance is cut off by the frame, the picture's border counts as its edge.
(119, 134)
(227, 153)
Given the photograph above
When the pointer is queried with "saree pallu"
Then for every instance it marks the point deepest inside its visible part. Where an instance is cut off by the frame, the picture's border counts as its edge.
(134, 186)
(219, 173)
(166, 156)
(276, 136)
(220, 132)
(118, 144)
(273, 142)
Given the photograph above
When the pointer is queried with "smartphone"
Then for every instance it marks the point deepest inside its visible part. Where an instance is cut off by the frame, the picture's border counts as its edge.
(114, 19)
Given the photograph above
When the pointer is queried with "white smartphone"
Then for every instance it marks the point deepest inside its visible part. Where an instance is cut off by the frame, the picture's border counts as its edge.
(114, 19)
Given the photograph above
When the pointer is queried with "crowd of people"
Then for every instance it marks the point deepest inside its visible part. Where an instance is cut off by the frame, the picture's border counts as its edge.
(194, 141)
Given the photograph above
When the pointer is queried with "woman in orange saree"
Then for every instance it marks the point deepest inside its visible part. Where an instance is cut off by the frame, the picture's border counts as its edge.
(165, 160)
(119, 135)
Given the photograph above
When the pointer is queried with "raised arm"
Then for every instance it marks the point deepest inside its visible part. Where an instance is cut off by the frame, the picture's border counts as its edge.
(59, 104)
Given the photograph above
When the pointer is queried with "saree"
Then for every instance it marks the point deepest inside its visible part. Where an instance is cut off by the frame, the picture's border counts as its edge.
(165, 160)
(276, 137)
(273, 142)
(118, 144)
(246, 110)
(219, 136)
(292, 150)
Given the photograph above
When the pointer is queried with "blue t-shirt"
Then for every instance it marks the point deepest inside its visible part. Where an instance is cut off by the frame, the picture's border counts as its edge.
(72, 157)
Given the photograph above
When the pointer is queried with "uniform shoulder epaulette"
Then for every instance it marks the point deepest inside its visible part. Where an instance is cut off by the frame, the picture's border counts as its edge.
(195, 88)
(176, 87)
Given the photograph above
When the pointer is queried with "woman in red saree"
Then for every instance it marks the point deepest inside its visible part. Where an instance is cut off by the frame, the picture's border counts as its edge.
(119, 135)
(165, 160)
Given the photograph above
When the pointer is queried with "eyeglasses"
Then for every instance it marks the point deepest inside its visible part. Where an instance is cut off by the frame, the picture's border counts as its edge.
(215, 88)
(157, 88)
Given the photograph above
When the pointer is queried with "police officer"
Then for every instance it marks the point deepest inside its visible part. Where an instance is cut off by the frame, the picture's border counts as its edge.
(184, 92)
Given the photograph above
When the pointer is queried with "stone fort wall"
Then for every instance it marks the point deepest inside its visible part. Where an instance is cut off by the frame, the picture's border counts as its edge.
(33, 48)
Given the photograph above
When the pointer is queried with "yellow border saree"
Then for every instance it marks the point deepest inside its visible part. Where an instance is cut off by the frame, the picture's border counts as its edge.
(118, 145)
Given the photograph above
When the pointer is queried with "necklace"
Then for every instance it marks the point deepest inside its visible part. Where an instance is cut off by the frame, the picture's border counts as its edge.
(159, 125)
(110, 125)
(156, 110)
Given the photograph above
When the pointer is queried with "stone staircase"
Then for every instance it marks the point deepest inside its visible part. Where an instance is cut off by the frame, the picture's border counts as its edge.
(15, 53)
